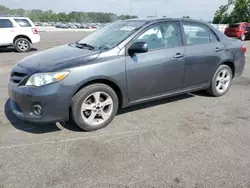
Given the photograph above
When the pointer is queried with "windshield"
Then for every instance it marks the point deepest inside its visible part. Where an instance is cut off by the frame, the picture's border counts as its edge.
(112, 34)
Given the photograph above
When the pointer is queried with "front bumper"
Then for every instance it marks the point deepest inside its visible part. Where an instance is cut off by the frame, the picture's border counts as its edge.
(54, 99)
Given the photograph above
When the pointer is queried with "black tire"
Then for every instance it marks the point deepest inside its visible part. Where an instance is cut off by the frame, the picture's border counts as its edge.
(212, 88)
(19, 48)
(79, 98)
(243, 37)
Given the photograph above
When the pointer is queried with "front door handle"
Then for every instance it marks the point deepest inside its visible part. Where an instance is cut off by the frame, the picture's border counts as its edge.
(218, 49)
(179, 55)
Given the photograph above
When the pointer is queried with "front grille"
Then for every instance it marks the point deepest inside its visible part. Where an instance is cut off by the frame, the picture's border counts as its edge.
(17, 77)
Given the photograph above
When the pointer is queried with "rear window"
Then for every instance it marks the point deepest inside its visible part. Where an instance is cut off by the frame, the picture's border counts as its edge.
(233, 26)
(23, 22)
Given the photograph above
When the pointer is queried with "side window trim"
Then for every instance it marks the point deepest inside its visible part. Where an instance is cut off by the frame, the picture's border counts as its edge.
(214, 34)
(182, 23)
(151, 26)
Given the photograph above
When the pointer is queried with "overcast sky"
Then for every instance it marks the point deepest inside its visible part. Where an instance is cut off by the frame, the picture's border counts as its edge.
(198, 9)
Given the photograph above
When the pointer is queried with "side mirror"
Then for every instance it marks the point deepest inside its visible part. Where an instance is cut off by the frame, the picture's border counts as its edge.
(138, 47)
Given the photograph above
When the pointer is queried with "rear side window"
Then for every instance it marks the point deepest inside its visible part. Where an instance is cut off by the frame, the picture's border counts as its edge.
(5, 23)
(244, 26)
(198, 34)
(23, 22)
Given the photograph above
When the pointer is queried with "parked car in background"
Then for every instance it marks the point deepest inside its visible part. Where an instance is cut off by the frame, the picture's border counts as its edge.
(93, 27)
(19, 32)
(63, 26)
(123, 64)
(238, 30)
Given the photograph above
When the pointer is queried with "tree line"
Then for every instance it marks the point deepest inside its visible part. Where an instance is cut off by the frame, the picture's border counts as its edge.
(234, 11)
(37, 15)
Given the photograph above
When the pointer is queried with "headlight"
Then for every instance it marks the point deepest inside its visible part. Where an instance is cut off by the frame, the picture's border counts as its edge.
(40, 79)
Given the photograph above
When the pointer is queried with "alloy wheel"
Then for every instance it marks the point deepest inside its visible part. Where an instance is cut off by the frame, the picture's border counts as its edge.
(23, 45)
(97, 108)
(223, 80)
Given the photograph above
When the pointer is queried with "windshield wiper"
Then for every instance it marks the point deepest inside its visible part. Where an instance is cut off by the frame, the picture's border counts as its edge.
(104, 48)
(83, 45)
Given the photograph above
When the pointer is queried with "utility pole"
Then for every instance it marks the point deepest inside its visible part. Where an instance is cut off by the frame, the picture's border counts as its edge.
(156, 12)
(130, 7)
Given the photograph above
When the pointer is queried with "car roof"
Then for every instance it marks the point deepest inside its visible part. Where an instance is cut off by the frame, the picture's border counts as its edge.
(155, 19)
(12, 17)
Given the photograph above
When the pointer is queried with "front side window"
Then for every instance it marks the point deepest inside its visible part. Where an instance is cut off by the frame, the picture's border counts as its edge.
(161, 36)
(5, 23)
(23, 22)
(198, 34)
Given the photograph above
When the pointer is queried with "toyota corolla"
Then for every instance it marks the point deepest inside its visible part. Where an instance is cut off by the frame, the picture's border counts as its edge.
(123, 64)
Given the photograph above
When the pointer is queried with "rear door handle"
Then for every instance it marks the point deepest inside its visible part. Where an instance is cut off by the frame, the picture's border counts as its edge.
(179, 55)
(218, 49)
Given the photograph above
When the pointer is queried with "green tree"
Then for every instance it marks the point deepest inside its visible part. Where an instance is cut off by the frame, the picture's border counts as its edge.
(125, 17)
(48, 16)
(4, 10)
(18, 12)
(240, 12)
(219, 16)
(63, 17)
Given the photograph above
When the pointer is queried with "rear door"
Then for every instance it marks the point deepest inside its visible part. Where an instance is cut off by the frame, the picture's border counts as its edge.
(161, 69)
(7, 31)
(204, 52)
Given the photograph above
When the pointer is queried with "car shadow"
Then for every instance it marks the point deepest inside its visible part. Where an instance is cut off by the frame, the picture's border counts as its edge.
(12, 50)
(202, 93)
(70, 125)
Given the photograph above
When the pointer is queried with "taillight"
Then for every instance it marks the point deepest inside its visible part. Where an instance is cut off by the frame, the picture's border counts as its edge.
(244, 48)
(34, 30)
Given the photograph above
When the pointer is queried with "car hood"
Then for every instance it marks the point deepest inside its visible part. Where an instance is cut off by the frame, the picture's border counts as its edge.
(61, 57)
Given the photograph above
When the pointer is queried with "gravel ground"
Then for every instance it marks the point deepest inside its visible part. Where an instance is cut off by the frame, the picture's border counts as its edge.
(188, 141)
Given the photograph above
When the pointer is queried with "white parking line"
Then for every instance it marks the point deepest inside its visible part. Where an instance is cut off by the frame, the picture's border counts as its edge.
(122, 134)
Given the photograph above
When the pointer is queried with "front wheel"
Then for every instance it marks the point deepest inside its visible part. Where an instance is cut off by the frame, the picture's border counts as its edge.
(94, 107)
(221, 81)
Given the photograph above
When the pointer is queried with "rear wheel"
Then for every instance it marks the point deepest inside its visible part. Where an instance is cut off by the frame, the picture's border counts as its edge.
(221, 81)
(22, 45)
(94, 107)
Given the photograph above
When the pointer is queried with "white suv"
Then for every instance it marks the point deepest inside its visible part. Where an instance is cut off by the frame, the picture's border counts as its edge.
(19, 32)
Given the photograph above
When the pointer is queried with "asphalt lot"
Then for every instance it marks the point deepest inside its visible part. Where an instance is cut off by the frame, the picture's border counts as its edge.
(188, 141)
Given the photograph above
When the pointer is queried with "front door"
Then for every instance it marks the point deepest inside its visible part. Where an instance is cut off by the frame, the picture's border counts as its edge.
(203, 51)
(161, 69)
(6, 32)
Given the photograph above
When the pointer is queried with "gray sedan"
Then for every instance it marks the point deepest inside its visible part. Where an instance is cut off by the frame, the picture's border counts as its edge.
(123, 64)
